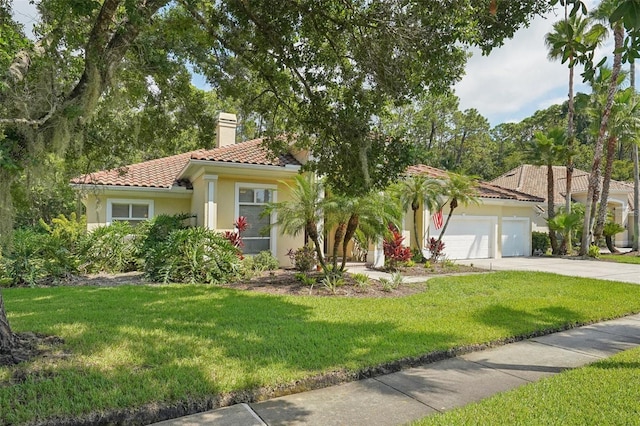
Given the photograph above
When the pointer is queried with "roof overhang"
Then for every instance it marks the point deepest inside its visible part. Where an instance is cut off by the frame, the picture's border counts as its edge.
(173, 192)
(197, 167)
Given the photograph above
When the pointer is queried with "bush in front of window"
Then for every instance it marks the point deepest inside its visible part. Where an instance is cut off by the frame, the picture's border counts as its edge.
(197, 255)
(110, 249)
(151, 234)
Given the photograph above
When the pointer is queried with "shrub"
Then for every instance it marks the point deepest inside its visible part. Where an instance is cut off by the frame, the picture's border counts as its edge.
(540, 242)
(265, 261)
(25, 264)
(151, 234)
(394, 251)
(416, 255)
(393, 283)
(110, 249)
(594, 251)
(362, 280)
(305, 279)
(436, 248)
(303, 259)
(331, 282)
(197, 255)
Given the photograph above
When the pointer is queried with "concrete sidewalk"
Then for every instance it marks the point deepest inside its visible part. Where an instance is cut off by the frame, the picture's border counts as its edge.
(571, 267)
(411, 394)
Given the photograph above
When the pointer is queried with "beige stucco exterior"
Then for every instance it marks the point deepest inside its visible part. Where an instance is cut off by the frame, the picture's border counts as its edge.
(213, 200)
(495, 210)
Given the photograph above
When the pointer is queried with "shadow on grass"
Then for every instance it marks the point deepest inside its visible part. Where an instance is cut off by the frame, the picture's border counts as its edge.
(135, 345)
(520, 323)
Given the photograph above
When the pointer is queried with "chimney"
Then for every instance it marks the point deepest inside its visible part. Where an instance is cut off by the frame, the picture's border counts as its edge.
(226, 129)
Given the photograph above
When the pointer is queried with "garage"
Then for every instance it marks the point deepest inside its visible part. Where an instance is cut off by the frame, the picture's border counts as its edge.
(468, 237)
(515, 237)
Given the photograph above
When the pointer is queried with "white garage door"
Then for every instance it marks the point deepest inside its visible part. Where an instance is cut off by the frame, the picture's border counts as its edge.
(515, 237)
(467, 237)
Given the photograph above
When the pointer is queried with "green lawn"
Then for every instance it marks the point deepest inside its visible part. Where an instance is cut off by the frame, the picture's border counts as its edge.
(635, 260)
(604, 393)
(131, 345)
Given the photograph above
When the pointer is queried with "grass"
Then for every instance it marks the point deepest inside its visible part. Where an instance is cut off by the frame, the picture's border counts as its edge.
(634, 260)
(603, 393)
(132, 345)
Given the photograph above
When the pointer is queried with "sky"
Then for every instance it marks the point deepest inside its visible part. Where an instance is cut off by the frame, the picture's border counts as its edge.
(509, 85)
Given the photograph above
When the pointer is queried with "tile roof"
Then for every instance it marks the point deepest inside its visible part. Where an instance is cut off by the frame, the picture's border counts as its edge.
(164, 172)
(485, 190)
(533, 180)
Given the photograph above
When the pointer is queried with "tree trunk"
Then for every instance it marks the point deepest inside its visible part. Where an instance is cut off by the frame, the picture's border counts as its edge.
(352, 226)
(566, 242)
(609, 240)
(551, 209)
(636, 178)
(7, 339)
(312, 232)
(636, 198)
(606, 182)
(337, 240)
(415, 229)
(452, 205)
(594, 176)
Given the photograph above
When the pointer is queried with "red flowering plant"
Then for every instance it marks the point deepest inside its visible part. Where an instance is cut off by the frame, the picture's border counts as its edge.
(436, 248)
(394, 251)
(235, 236)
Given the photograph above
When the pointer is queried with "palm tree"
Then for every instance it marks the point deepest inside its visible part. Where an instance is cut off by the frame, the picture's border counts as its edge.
(416, 191)
(7, 338)
(459, 189)
(570, 41)
(625, 114)
(370, 213)
(603, 12)
(302, 212)
(546, 149)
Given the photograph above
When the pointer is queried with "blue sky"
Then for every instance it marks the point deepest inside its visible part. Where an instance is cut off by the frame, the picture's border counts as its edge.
(509, 85)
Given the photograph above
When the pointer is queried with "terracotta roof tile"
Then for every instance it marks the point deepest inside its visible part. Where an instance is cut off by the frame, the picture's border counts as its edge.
(249, 152)
(164, 172)
(485, 190)
(533, 180)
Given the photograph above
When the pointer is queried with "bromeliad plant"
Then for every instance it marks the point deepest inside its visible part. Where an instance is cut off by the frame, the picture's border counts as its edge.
(394, 251)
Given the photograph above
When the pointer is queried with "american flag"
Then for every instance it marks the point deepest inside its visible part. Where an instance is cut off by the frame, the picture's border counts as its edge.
(437, 219)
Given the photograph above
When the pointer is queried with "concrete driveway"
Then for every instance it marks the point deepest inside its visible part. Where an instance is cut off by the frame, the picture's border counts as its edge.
(571, 267)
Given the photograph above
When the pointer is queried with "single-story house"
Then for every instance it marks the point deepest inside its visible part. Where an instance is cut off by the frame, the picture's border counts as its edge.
(499, 226)
(533, 180)
(216, 186)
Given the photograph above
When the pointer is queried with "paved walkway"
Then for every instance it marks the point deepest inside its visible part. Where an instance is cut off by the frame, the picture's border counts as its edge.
(411, 394)
(398, 398)
(571, 267)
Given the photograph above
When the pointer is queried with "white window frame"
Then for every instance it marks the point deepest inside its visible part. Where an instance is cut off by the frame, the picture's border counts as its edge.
(112, 201)
(272, 219)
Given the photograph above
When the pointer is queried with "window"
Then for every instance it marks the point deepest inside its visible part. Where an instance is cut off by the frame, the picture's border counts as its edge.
(251, 203)
(132, 211)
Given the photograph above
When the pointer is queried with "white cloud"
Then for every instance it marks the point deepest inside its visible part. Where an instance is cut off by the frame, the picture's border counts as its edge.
(517, 79)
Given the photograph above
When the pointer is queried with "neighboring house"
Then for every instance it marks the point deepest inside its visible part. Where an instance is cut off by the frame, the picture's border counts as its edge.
(216, 186)
(499, 226)
(533, 180)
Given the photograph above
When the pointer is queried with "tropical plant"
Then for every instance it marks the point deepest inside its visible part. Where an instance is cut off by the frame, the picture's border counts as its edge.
(606, 11)
(547, 149)
(301, 213)
(419, 191)
(265, 261)
(110, 249)
(573, 41)
(565, 224)
(395, 252)
(610, 229)
(303, 259)
(458, 189)
(197, 255)
(540, 242)
(436, 248)
(151, 234)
